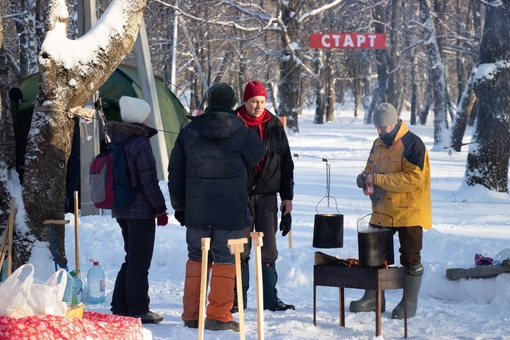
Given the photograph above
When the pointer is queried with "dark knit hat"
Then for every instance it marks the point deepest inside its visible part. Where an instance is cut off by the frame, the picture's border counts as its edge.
(254, 88)
(385, 115)
(221, 94)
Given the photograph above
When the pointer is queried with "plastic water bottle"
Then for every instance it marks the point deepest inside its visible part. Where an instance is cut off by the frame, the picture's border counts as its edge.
(68, 293)
(77, 288)
(95, 284)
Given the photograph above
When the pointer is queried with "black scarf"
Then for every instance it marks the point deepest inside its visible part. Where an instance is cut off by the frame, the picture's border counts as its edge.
(390, 137)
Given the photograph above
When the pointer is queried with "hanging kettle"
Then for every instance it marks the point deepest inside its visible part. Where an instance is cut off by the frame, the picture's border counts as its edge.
(328, 229)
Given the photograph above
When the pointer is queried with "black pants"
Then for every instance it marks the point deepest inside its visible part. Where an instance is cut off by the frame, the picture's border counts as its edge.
(130, 295)
(263, 218)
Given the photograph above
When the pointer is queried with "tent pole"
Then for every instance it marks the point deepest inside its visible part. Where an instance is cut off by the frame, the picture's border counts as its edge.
(148, 86)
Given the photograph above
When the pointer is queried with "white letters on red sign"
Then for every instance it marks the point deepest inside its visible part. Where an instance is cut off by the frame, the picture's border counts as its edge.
(348, 40)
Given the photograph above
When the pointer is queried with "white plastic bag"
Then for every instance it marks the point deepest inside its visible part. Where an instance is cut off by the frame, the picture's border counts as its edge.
(20, 296)
(15, 292)
(47, 298)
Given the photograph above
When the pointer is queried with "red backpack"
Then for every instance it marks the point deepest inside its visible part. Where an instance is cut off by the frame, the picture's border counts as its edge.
(110, 186)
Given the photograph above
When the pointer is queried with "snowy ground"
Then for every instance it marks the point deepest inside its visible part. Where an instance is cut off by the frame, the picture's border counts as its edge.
(466, 221)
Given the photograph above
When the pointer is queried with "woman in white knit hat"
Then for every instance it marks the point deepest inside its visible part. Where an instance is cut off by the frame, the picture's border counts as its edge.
(137, 223)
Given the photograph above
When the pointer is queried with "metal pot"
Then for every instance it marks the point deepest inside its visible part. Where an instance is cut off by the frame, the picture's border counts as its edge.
(328, 230)
(375, 247)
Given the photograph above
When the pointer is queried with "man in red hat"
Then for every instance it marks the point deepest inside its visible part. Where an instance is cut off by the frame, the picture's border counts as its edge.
(273, 175)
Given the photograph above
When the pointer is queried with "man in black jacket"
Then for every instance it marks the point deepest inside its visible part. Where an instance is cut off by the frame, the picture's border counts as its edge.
(273, 175)
(207, 183)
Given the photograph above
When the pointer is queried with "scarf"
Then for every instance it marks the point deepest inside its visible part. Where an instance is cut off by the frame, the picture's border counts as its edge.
(258, 123)
(390, 137)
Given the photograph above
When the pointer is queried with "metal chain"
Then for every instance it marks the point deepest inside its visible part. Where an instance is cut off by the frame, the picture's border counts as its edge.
(328, 179)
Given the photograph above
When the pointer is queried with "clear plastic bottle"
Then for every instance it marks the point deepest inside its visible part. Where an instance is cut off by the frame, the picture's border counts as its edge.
(77, 289)
(68, 293)
(95, 284)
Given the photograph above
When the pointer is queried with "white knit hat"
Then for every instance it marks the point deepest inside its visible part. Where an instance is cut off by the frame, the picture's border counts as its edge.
(133, 110)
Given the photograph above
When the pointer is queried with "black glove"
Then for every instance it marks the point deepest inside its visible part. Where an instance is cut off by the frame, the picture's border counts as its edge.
(285, 224)
(377, 195)
(179, 216)
(360, 180)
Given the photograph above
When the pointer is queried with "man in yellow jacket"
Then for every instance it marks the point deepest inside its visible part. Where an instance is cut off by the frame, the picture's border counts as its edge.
(397, 178)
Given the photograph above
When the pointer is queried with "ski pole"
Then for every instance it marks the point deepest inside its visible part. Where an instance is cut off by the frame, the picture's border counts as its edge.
(53, 240)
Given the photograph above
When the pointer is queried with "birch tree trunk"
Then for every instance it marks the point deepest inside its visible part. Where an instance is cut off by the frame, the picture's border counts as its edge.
(464, 107)
(438, 72)
(65, 85)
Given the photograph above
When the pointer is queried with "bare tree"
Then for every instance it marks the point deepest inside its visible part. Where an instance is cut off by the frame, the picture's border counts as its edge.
(68, 80)
(487, 162)
(464, 108)
(271, 35)
(438, 71)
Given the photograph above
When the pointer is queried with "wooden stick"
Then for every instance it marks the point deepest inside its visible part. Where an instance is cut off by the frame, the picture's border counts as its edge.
(56, 222)
(237, 247)
(6, 246)
(76, 234)
(3, 247)
(289, 235)
(206, 242)
(10, 228)
(258, 243)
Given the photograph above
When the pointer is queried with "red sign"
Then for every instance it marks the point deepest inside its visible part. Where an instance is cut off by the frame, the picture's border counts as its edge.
(348, 40)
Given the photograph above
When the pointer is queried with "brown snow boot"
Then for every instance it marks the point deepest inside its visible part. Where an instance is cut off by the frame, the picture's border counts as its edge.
(191, 298)
(412, 284)
(221, 297)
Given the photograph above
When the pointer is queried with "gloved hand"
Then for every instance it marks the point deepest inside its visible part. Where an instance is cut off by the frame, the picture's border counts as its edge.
(360, 180)
(179, 216)
(162, 218)
(377, 195)
(285, 223)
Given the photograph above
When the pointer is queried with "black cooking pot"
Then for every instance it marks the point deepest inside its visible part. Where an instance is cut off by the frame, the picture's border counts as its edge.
(328, 229)
(375, 246)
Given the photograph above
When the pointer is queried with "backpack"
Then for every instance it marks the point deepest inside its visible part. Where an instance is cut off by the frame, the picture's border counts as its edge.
(110, 186)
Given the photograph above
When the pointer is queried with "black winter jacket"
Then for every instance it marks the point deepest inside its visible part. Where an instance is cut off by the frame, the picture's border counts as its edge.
(277, 174)
(207, 170)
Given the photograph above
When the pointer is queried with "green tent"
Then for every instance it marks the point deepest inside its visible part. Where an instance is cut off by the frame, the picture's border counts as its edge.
(123, 82)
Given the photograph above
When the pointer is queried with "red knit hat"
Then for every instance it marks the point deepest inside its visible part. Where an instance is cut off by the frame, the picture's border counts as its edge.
(254, 88)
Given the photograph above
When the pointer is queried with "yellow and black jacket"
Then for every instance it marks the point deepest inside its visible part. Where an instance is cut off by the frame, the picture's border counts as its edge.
(403, 171)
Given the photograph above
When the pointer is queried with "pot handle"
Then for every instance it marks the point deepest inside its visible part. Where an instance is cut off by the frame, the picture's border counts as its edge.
(357, 223)
(336, 205)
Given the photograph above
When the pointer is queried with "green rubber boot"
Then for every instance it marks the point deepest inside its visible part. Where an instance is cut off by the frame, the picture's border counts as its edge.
(367, 303)
(412, 284)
